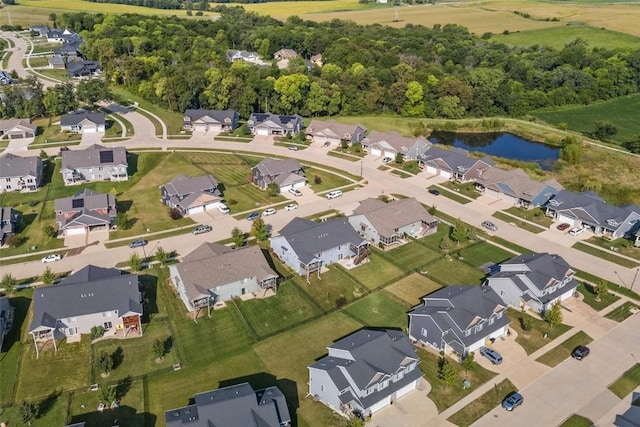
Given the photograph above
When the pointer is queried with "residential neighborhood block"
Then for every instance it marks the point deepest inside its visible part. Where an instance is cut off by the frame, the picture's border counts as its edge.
(286, 173)
(85, 211)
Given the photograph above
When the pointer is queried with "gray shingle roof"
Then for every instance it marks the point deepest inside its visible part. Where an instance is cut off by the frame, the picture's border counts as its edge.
(400, 144)
(75, 298)
(515, 183)
(540, 268)
(90, 200)
(90, 157)
(334, 129)
(75, 118)
(281, 121)
(308, 238)
(454, 160)
(181, 185)
(233, 406)
(387, 217)
(6, 221)
(25, 124)
(13, 166)
(219, 116)
(591, 208)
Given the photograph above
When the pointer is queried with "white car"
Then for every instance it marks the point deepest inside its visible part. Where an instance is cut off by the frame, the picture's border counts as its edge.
(295, 192)
(268, 212)
(223, 208)
(290, 207)
(575, 231)
(52, 258)
(334, 194)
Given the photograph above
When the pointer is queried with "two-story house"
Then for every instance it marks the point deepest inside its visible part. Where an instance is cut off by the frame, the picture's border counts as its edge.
(306, 246)
(365, 372)
(92, 296)
(286, 173)
(268, 124)
(19, 173)
(382, 144)
(210, 120)
(214, 273)
(459, 318)
(8, 220)
(191, 194)
(535, 281)
(516, 187)
(85, 211)
(387, 223)
(94, 163)
(334, 133)
(83, 122)
(233, 406)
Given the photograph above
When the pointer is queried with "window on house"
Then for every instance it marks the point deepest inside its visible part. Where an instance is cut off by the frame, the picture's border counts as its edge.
(501, 293)
(71, 319)
(322, 388)
(467, 332)
(424, 332)
(499, 315)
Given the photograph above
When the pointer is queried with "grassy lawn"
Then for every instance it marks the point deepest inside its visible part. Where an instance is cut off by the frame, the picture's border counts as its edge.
(587, 291)
(413, 255)
(432, 241)
(56, 74)
(606, 255)
(450, 194)
(380, 310)
(482, 405)
(332, 289)
(52, 411)
(272, 314)
(349, 157)
(559, 36)
(451, 271)
(534, 215)
(400, 173)
(12, 345)
(627, 382)
(467, 189)
(576, 420)
(518, 223)
(622, 246)
(557, 355)
(328, 180)
(612, 286)
(507, 244)
(623, 311)
(113, 128)
(412, 288)
(375, 273)
(534, 339)
(37, 61)
(483, 253)
(444, 396)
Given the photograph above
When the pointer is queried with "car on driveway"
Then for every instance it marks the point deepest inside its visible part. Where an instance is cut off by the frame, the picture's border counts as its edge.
(295, 192)
(512, 401)
(564, 226)
(386, 160)
(270, 211)
(138, 243)
(580, 352)
(489, 225)
(576, 230)
(202, 229)
(493, 356)
(434, 192)
(291, 207)
(293, 148)
(326, 144)
(253, 216)
(52, 258)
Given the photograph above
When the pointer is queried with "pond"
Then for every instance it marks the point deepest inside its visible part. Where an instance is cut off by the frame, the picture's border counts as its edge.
(504, 145)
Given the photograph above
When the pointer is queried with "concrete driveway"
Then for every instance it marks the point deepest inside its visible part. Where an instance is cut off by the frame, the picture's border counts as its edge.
(512, 354)
(91, 138)
(408, 411)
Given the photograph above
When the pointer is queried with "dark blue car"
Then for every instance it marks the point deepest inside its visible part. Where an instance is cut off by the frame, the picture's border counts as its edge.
(253, 216)
(512, 401)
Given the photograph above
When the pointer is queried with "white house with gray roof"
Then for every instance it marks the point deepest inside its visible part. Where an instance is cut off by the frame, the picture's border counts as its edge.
(92, 296)
(233, 406)
(590, 210)
(334, 133)
(286, 173)
(201, 120)
(85, 211)
(459, 318)
(82, 122)
(268, 124)
(382, 144)
(516, 187)
(191, 194)
(365, 372)
(535, 281)
(306, 246)
(388, 223)
(19, 173)
(94, 163)
(17, 129)
(454, 164)
(215, 273)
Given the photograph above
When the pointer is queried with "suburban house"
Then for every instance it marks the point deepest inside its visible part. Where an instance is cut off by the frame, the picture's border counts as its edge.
(5, 78)
(334, 133)
(62, 36)
(191, 194)
(459, 318)
(69, 51)
(6, 318)
(453, 164)
(516, 187)
(214, 273)
(92, 296)
(17, 129)
(317, 60)
(286, 173)
(245, 56)
(274, 124)
(94, 163)
(285, 54)
(19, 173)
(82, 122)
(85, 211)
(535, 281)
(587, 209)
(82, 68)
(391, 144)
(39, 30)
(233, 406)
(387, 223)
(8, 220)
(306, 246)
(210, 120)
(57, 62)
(365, 372)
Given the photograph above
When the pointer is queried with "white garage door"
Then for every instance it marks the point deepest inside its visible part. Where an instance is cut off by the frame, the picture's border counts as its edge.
(390, 154)
(196, 210)
(211, 206)
(432, 170)
(571, 221)
(262, 131)
(74, 231)
(89, 129)
(376, 152)
(445, 174)
(200, 127)
(406, 389)
(383, 403)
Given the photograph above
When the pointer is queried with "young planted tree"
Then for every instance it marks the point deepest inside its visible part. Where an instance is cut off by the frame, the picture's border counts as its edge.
(51, 231)
(105, 363)
(447, 372)
(162, 256)
(459, 233)
(469, 362)
(8, 282)
(28, 412)
(158, 349)
(135, 262)
(260, 230)
(122, 221)
(445, 243)
(273, 189)
(554, 315)
(106, 394)
(48, 276)
(526, 322)
(238, 237)
(602, 289)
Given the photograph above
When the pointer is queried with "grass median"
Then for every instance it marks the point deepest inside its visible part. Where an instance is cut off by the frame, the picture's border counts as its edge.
(482, 405)
(557, 355)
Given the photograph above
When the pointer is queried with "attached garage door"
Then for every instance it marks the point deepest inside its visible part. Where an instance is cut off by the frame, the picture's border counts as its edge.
(211, 206)
(200, 127)
(562, 218)
(71, 231)
(89, 129)
(376, 152)
(432, 170)
(406, 389)
(196, 210)
(445, 174)
(262, 131)
(383, 403)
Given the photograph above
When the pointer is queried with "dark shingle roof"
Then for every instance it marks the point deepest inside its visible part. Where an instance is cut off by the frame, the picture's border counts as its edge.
(220, 116)
(75, 118)
(284, 121)
(12, 165)
(92, 156)
(590, 207)
(181, 185)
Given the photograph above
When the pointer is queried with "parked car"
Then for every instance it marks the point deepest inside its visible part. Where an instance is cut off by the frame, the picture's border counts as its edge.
(386, 160)
(493, 356)
(334, 194)
(291, 207)
(223, 208)
(202, 229)
(326, 144)
(489, 225)
(564, 226)
(295, 192)
(253, 216)
(52, 258)
(138, 243)
(512, 401)
(576, 230)
(434, 192)
(270, 211)
(293, 148)
(580, 352)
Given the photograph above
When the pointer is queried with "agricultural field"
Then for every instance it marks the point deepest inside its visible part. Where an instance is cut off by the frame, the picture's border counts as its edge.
(558, 37)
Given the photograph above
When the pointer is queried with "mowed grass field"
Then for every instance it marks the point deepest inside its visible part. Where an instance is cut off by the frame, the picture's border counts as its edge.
(558, 37)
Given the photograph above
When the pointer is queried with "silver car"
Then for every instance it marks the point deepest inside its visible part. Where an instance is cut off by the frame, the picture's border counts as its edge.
(489, 225)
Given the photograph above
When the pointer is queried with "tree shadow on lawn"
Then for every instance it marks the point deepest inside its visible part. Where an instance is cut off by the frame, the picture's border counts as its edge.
(122, 415)
(47, 172)
(48, 403)
(149, 285)
(124, 205)
(132, 163)
(117, 357)
(21, 307)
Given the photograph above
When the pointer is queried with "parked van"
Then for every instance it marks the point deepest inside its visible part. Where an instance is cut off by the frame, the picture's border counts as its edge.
(223, 208)
(575, 231)
(334, 194)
